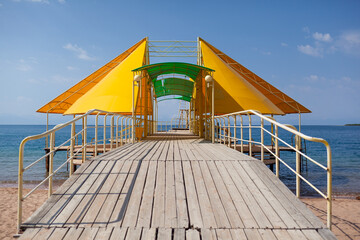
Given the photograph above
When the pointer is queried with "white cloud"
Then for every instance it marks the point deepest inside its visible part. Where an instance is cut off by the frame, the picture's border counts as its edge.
(60, 79)
(306, 29)
(284, 44)
(322, 37)
(70, 68)
(62, 1)
(26, 65)
(349, 42)
(80, 53)
(309, 50)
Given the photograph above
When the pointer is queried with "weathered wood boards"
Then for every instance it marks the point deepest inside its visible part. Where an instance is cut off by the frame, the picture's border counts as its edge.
(174, 187)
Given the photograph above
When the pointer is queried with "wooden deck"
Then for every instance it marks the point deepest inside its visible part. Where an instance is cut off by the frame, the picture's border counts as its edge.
(173, 186)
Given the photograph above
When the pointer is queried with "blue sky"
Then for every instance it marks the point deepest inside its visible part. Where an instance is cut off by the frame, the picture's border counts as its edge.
(308, 49)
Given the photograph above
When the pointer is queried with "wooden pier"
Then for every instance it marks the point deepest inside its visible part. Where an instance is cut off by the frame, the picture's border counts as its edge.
(174, 186)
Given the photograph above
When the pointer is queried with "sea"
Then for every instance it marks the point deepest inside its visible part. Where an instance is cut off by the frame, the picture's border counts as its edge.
(344, 142)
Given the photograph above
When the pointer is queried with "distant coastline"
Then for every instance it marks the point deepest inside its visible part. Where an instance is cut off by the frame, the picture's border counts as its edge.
(352, 124)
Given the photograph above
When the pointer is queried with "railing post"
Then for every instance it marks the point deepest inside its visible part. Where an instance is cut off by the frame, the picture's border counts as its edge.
(229, 132)
(51, 163)
(298, 170)
(96, 134)
(235, 139)
(250, 137)
(241, 134)
(20, 185)
(85, 138)
(72, 145)
(277, 152)
(117, 132)
(112, 132)
(262, 140)
(104, 141)
(329, 187)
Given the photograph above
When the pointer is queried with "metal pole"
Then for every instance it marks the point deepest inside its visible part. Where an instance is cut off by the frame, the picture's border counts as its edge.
(262, 140)
(241, 134)
(51, 163)
(298, 170)
(112, 132)
(329, 187)
(117, 132)
(213, 112)
(277, 152)
(85, 138)
(235, 139)
(229, 132)
(133, 113)
(96, 133)
(250, 137)
(104, 135)
(20, 185)
(72, 145)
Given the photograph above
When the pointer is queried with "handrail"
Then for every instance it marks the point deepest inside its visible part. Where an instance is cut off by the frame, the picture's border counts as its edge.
(222, 136)
(53, 149)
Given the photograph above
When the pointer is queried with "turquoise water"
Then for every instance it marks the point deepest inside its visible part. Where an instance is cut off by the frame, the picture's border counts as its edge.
(344, 142)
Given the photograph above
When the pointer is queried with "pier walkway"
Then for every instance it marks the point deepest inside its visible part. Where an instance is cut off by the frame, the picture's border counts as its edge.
(174, 186)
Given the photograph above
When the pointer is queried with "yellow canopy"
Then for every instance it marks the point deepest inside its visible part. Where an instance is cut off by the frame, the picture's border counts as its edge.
(232, 92)
(114, 92)
(238, 88)
(63, 102)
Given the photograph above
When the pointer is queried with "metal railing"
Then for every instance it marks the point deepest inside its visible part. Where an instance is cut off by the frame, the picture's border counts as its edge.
(123, 134)
(222, 134)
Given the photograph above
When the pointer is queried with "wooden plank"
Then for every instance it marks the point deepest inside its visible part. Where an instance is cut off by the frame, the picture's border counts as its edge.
(253, 234)
(88, 234)
(192, 197)
(312, 234)
(325, 233)
(182, 214)
(224, 234)
(267, 234)
(170, 155)
(120, 206)
(158, 219)
(273, 217)
(133, 233)
(288, 205)
(177, 155)
(118, 233)
(251, 203)
(179, 234)
(148, 234)
(132, 211)
(29, 233)
(218, 209)
(238, 234)
(58, 233)
(208, 234)
(104, 233)
(44, 233)
(315, 222)
(53, 201)
(73, 233)
(207, 211)
(276, 202)
(164, 234)
(144, 219)
(77, 207)
(297, 234)
(226, 200)
(192, 234)
(243, 210)
(170, 199)
(96, 205)
(281, 234)
(104, 215)
(164, 151)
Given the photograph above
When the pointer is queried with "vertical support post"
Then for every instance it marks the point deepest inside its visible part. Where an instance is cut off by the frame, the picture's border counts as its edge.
(277, 152)
(96, 134)
(133, 112)
(51, 163)
(298, 165)
(213, 112)
(205, 112)
(250, 136)
(85, 138)
(329, 187)
(117, 132)
(121, 131)
(241, 134)
(20, 185)
(112, 132)
(235, 139)
(72, 145)
(229, 132)
(47, 129)
(104, 135)
(262, 139)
